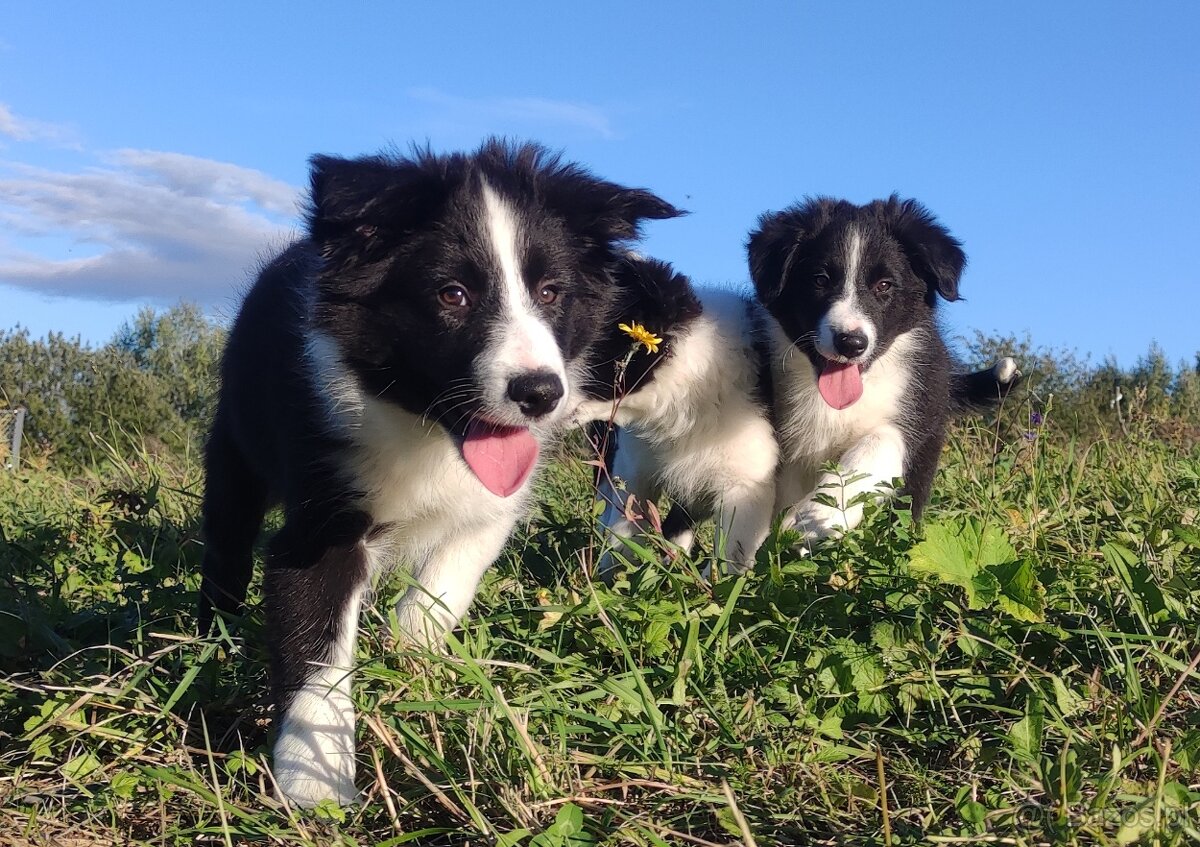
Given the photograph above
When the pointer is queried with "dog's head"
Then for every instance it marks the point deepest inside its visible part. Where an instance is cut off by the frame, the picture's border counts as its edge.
(845, 281)
(467, 287)
(651, 297)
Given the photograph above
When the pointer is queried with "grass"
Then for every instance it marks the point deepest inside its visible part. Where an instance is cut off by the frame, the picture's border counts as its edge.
(1022, 669)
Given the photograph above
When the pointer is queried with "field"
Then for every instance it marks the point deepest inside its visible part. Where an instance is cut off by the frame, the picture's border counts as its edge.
(1020, 669)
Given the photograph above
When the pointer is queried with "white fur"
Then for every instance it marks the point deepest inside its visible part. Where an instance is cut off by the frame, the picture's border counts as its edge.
(335, 385)
(443, 524)
(845, 314)
(314, 751)
(863, 439)
(1005, 370)
(696, 431)
(521, 341)
(867, 467)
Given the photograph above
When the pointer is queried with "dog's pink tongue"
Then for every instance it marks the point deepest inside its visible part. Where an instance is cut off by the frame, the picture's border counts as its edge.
(502, 457)
(840, 384)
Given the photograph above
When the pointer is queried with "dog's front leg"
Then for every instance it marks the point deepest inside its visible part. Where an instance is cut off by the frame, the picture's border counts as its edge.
(874, 461)
(314, 588)
(446, 582)
(743, 523)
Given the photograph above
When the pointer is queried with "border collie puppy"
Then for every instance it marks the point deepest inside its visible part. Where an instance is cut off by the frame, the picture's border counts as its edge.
(862, 376)
(390, 381)
(692, 410)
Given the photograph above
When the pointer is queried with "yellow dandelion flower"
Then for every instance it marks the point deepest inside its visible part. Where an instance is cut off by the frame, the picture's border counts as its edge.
(641, 335)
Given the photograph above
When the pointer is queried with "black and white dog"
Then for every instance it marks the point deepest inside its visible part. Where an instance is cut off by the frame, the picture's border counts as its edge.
(389, 381)
(862, 376)
(697, 415)
(694, 413)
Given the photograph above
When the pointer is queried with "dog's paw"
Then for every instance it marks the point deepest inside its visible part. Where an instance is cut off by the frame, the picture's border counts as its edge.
(814, 521)
(314, 758)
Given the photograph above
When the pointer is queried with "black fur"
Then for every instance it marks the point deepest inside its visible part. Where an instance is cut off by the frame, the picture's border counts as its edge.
(978, 391)
(650, 293)
(908, 261)
(385, 234)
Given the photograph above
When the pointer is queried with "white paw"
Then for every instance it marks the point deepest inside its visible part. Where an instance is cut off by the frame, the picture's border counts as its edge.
(588, 411)
(422, 622)
(815, 523)
(305, 789)
(314, 753)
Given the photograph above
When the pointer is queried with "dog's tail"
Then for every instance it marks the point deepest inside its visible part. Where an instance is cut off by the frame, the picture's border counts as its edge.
(982, 390)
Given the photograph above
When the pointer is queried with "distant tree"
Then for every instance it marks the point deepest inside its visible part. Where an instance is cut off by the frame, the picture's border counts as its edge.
(1154, 375)
(180, 347)
(153, 384)
(1085, 396)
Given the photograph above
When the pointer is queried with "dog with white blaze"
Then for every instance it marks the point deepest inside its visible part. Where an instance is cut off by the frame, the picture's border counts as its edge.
(391, 381)
(695, 405)
(862, 376)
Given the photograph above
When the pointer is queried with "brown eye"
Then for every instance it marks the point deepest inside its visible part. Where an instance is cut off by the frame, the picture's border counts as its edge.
(821, 280)
(882, 286)
(548, 294)
(454, 296)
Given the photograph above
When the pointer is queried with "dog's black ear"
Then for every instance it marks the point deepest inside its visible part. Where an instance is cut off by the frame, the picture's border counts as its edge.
(935, 255)
(354, 204)
(654, 294)
(773, 248)
(600, 210)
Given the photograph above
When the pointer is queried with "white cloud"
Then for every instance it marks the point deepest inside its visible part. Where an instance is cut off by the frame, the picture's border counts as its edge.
(533, 110)
(136, 224)
(198, 177)
(23, 129)
(158, 225)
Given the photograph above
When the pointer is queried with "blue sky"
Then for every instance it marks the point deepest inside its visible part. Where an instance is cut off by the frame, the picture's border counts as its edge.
(152, 152)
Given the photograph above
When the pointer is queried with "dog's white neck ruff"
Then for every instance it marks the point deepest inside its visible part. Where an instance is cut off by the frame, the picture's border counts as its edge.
(408, 467)
(809, 426)
(443, 525)
(867, 437)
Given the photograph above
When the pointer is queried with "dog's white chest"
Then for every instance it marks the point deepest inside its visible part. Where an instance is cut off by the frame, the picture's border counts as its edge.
(812, 432)
(416, 481)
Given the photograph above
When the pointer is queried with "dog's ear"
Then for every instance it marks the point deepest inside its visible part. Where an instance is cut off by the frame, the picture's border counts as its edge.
(603, 211)
(935, 255)
(773, 248)
(599, 210)
(355, 204)
(654, 294)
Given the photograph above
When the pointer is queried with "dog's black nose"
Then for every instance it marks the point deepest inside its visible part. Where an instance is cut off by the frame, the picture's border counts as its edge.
(537, 393)
(850, 344)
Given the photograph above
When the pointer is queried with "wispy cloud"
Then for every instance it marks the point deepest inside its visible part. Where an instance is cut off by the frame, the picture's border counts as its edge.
(149, 224)
(536, 111)
(158, 225)
(18, 128)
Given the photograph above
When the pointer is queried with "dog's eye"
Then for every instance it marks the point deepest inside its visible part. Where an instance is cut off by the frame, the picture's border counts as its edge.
(821, 279)
(881, 286)
(454, 296)
(548, 294)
